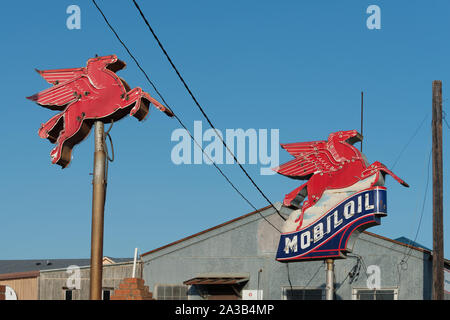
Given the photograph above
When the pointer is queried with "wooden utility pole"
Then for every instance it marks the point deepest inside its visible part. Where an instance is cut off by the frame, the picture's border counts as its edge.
(438, 233)
(98, 208)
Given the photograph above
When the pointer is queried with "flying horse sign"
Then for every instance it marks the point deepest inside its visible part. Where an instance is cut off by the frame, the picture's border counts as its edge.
(345, 195)
(84, 95)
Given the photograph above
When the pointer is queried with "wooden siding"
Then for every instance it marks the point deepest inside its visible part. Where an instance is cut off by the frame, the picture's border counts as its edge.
(26, 289)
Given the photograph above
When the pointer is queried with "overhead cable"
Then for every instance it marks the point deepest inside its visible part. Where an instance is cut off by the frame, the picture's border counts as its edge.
(181, 122)
(201, 109)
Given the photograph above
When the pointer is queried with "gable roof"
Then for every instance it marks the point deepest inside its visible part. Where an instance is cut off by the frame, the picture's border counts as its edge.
(27, 267)
(400, 241)
(207, 230)
(406, 240)
(15, 266)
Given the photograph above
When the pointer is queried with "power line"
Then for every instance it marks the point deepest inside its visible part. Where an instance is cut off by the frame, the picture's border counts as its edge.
(404, 261)
(181, 123)
(444, 118)
(200, 107)
(422, 211)
(301, 287)
(409, 141)
(289, 277)
(408, 250)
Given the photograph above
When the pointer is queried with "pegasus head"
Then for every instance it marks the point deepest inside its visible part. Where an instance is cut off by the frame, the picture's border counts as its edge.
(110, 62)
(349, 136)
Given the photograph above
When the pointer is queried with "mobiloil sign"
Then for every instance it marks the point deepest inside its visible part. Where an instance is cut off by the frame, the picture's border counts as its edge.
(342, 197)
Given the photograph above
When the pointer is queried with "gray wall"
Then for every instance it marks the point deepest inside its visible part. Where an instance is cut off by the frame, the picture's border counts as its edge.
(249, 245)
(52, 282)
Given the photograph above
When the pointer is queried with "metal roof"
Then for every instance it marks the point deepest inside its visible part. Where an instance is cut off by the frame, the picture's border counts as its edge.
(401, 241)
(217, 279)
(207, 230)
(19, 275)
(412, 243)
(19, 266)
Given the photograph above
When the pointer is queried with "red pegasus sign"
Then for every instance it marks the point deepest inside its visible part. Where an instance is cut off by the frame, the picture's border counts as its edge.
(329, 165)
(84, 95)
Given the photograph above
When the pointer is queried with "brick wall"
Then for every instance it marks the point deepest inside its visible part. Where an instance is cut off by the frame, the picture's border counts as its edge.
(132, 289)
(2, 292)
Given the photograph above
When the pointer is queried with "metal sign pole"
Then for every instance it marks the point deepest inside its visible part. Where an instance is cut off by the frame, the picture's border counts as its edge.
(81, 103)
(98, 207)
(134, 263)
(330, 279)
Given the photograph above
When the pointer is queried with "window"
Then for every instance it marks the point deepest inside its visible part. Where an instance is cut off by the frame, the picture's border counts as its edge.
(375, 294)
(171, 292)
(303, 293)
(68, 295)
(106, 294)
(221, 292)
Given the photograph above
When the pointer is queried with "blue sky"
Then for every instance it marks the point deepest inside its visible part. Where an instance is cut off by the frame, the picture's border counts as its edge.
(296, 66)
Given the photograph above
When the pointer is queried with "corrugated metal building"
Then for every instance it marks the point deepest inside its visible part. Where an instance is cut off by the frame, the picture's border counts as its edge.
(22, 276)
(236, 260)
(59, 284)
(46, 279)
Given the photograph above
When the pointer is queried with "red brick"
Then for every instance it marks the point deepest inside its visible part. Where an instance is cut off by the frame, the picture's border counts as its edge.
(136, 292)
(123, 285)
(122, 292)
(134, 280)
(126, 285)
(132, 289)
(2, 292)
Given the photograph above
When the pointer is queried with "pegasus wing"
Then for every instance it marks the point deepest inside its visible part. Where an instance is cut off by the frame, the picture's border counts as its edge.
(305, 165)
(59, 96)
(302, 148)
(59, 76)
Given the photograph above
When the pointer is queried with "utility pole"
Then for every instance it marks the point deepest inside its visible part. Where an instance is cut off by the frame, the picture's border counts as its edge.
(438, 234)
(98, 208)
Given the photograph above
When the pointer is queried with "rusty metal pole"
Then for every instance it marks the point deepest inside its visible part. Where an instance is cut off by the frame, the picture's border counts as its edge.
(98, 207)
(330, 280)
(438, 234)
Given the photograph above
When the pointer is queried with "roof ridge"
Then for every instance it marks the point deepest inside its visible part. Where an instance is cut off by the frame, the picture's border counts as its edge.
(262, 209)
(207, 230)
